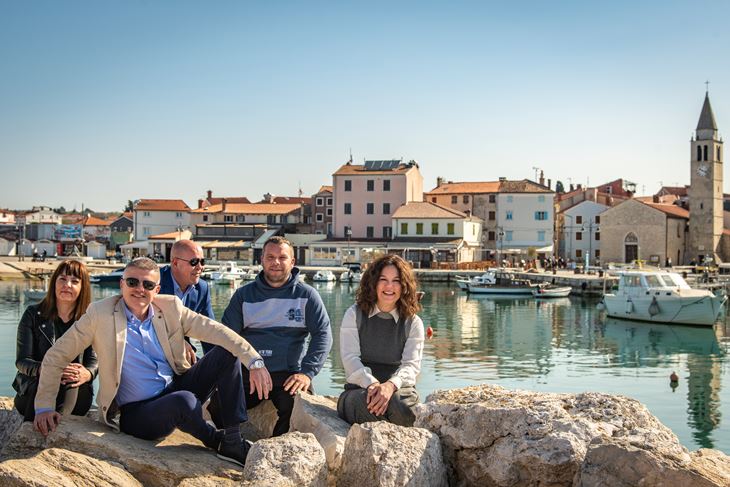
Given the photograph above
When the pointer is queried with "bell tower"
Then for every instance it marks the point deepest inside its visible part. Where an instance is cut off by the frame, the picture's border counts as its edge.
(705, 189)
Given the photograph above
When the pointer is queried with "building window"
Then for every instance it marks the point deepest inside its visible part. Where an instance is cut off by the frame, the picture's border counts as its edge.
(578, 254)
(386, 208)
(369, 232)
(598, 253)
(541, 236)
(705, 152)
(450, 229)
(328, 211)
(348, 208)
(386, 184)
(370, 208)
(433, 199)
(510, 198)
(598, 219)
(492, 198)
(490, 236)
(465, 199)
(578, 219)
(541, 215)
(348, 231)
(146, 230)
(404, 229)
(319, 202)
(146, 213)
(541, 198)
(454, 199)
(597, 235)
(699, 153)
(178, 214)
(329, 201)
(434, 229)
(320, 217)
(348, 185)
(579, 235)
(387, 232)
(509, 215)
(508, 235)
(241, 218)
(228, 218)
(205, 218)
(371, 185)
(492, 215)
(419, 228)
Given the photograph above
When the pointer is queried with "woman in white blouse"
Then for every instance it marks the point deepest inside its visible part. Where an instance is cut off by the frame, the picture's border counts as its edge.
(381, 346)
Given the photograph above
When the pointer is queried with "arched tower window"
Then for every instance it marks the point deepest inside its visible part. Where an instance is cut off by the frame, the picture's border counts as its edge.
(719, 156)
(705, 151)
(699, 153)
(631, 238)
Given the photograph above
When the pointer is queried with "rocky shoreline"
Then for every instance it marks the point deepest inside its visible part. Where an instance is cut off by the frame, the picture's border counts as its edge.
(477, 436)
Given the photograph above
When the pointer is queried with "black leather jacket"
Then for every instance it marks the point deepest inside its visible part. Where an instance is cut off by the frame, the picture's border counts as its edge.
(36, 336)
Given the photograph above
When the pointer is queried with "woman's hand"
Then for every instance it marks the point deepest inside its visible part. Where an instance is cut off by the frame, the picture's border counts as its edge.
(379, 396)
(75, 374)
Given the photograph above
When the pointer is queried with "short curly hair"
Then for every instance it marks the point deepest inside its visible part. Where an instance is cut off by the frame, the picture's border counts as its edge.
(367, 295)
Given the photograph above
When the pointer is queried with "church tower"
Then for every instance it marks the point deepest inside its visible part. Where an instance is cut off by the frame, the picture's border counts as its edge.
(705, 190)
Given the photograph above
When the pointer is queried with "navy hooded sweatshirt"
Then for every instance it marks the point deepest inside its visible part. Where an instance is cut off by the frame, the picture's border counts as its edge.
(277, 320)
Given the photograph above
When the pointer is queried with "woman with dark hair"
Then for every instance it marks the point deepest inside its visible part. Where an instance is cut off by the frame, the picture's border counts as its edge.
(381, 346)
(69, 294)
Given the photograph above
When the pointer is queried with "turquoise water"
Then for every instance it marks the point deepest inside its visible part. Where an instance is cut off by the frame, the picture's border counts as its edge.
(562, 345)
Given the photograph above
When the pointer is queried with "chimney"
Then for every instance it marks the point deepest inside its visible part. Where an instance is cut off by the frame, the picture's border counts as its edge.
(439, 181)
(223, 205)
(210, 194)
(502, 179)
(655, 198)
(542, 178)
(594, 194)
(200, 203)
(571, 187)
(579, 186)
(550, 184)
(269, 198)
(468, 213)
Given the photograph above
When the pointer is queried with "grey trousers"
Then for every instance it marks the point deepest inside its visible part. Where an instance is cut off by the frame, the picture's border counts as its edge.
(352, 406)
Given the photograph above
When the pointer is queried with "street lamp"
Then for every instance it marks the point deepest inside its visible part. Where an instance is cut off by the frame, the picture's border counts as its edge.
(348, 232)
(570, 233)
(590, 241)
(500, 243)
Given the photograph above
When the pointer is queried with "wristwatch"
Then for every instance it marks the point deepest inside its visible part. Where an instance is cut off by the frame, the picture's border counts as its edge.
(257, 364)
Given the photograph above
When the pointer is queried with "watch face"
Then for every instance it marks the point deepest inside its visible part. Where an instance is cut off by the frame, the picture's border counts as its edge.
(702, 170)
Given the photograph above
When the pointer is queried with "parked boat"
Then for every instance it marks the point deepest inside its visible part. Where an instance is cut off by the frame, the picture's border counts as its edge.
(486, 278)
(35, 294)
(324, 276)
(350, 276)
(504, 283)
(552, 291)
(112, 277)
(227, 272)
(662, 297)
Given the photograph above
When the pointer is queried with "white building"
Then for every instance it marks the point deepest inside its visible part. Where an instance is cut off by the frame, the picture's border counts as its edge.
(580, 234)
(524, 222)
(155, 217)
(39, 214)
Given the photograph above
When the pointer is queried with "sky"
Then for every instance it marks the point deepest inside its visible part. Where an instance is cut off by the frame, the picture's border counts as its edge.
(102, 101)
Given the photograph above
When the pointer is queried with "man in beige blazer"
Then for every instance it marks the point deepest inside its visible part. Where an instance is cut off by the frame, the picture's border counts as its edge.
(139, 338)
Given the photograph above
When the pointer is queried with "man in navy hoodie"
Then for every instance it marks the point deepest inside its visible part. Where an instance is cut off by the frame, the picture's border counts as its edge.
(275, 313)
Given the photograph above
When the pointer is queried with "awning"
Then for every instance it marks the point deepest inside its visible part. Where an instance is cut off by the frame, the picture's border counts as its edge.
(259, 243)
(140, 244)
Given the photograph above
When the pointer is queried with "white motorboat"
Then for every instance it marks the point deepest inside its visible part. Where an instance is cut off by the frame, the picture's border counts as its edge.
(504, 283)
(251, 273)
(350, 276)
(112, 277)
(35, 294)
(324, 276)
(486, 278)
(227, 272)
(662, 297)
(545, 292)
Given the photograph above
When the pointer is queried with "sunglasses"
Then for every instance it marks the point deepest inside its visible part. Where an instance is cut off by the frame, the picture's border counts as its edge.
(134, 282)
(193, 262)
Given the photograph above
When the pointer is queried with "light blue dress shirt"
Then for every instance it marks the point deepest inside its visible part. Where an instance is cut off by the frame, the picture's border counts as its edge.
(178, 291)
(145, 371)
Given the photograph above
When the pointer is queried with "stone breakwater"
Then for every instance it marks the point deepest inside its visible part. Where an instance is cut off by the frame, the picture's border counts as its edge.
(476, 436)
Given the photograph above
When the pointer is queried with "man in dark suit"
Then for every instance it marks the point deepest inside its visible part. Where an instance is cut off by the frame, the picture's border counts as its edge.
(182, 279)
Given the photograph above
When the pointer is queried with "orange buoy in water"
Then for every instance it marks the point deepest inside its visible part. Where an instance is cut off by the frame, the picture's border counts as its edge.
(429, 332)
(674, 377)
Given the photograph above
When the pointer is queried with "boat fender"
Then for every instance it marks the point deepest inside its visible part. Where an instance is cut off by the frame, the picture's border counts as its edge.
(629, 306)
(601, 306)
(654, 307)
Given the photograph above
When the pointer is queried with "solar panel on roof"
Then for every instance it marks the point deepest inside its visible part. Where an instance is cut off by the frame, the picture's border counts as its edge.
(381, 165)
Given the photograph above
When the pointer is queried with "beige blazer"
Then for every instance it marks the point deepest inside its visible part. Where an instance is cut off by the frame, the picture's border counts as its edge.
(104, 326)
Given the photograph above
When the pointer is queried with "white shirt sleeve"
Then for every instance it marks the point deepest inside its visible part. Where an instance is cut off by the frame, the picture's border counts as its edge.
(410, 362)
(355, 372)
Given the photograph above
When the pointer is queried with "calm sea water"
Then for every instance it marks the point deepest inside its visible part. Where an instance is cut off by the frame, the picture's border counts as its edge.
(562, 345)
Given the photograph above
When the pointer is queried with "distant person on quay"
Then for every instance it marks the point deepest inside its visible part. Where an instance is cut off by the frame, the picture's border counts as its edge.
(381, 346)
(68, 296)
(182, 279)
(276, 313)
(143, 372)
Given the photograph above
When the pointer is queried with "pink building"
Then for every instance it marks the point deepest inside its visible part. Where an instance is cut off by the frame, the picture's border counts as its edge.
(366, 196)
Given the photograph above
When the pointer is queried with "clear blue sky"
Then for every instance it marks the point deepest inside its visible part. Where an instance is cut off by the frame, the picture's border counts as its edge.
(105, 101)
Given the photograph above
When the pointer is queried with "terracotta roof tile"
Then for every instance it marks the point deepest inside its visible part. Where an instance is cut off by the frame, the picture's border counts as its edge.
(671, 210)
(426, 209)
(251, 208)
(161, 205)
(359, 169)
(521, 186)
(92, 221)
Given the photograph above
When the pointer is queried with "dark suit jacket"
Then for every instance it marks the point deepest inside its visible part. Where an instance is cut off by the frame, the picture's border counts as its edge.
(197, 300)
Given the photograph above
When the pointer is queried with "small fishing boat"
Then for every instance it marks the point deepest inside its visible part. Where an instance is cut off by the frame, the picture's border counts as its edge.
(227, 272)
(504, 283)
(112, 277)
(324, 276)
(350, 276)
(34, 294)
(545, 292)
(662, 297)
(486, 278)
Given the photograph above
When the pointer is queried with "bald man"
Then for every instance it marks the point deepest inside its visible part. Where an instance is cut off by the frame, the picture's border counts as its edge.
(182, 279)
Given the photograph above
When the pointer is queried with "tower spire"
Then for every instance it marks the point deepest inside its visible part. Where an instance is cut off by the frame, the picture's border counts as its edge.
(707, 118)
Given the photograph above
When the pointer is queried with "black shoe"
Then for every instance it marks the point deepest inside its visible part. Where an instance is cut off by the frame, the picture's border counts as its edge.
(234, 450)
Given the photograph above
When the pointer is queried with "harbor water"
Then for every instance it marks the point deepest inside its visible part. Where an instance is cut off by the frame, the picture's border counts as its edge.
(559, 345)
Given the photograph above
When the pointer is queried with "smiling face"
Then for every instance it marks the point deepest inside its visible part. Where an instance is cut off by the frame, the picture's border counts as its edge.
(68, 289)
(388, 288)
(137, 298)
(278, 262)
(185, 274)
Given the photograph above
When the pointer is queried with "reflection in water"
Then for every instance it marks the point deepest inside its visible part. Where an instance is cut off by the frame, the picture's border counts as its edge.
(561, 345)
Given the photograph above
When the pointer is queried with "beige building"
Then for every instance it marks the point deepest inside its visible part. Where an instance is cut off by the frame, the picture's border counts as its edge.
(322, 211)
(652, 232)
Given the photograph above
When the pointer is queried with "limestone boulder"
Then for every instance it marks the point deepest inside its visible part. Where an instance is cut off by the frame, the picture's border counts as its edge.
(618, 463)
(318, 415)
(381, 454)
(498, 437)
(10, 420)
(261, 421)
(155, 463)
(64, 468)
(295, 459)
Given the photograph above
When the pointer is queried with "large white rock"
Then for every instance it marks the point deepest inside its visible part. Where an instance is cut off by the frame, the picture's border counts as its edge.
(498, 437)
(382, 454)
(62, 468)
(10, 420)
(318, 415)
(294, 459)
